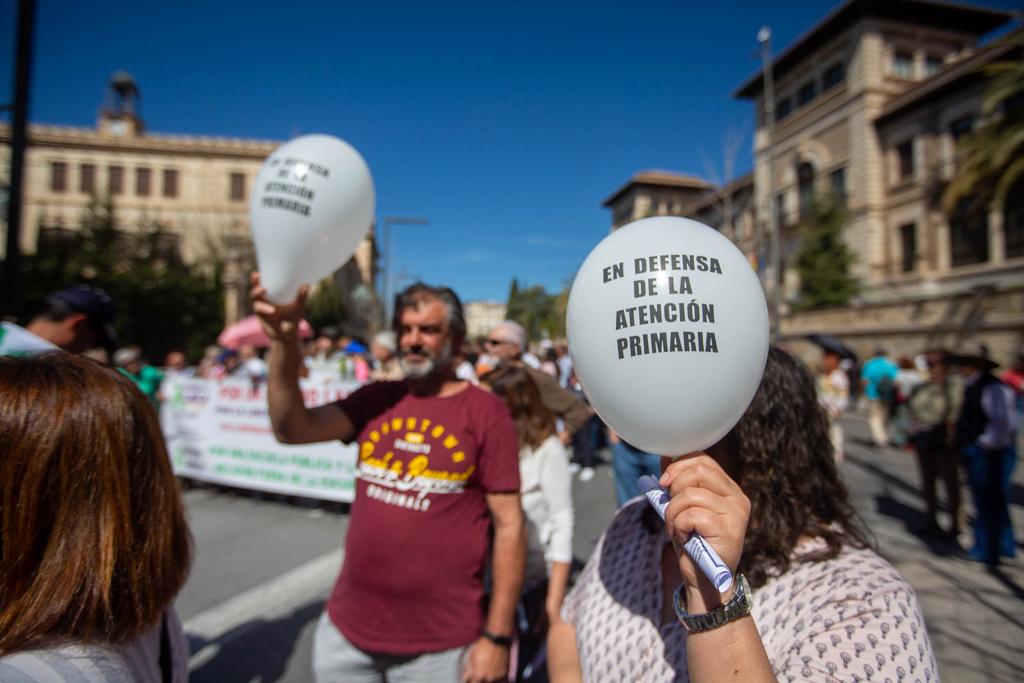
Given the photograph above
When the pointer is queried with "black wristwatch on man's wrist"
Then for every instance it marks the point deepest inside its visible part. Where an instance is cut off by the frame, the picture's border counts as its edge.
(501, 641)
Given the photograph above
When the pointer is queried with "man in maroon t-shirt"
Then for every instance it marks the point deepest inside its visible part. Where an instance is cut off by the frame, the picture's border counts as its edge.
(438, 469)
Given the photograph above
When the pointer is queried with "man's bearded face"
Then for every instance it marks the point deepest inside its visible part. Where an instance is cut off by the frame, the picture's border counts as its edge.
(424, 341)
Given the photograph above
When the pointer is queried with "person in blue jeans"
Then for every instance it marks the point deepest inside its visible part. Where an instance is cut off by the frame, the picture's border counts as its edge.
(986, 433)
(629, 464)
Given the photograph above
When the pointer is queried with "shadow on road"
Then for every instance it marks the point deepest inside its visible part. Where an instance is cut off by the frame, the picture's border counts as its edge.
(884, 476)
(914, 523)
(1011, 585)
(255, 651)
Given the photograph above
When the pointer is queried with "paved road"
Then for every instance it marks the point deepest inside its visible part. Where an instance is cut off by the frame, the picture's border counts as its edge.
(264, 567)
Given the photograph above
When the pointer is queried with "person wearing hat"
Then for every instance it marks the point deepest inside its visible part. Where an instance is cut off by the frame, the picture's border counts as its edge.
(986, 434)
(75, 319)
(933, 407)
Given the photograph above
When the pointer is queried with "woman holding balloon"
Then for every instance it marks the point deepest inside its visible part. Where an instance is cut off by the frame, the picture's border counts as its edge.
(769, 500)
(668, 330)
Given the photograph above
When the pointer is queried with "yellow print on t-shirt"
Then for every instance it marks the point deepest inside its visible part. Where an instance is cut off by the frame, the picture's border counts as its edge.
(414, 457)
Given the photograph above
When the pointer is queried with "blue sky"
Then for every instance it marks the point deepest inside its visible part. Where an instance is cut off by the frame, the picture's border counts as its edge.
(505, 124)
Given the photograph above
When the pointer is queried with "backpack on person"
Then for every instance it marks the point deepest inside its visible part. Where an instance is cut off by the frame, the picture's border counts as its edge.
(886, 388)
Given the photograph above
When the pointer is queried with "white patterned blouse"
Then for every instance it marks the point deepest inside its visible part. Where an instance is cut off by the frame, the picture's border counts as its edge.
(851, 618)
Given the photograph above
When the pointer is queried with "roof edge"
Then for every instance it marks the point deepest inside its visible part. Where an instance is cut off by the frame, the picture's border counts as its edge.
(987, 19)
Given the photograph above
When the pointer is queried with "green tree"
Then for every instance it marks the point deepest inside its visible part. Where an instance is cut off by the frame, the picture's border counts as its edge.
(993, 154)
(325, 305)
(824, 260)
(162, 303)
(561, 307)
(514, 306)
(540, 313)
(100, 242)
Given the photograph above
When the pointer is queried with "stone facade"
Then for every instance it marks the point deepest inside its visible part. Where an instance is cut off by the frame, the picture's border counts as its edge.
(654, 193)
(196, 188)
(869, 104)
(832, 142)
(482, 316)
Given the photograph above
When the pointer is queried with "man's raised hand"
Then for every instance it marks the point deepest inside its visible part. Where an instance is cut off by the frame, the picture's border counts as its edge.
(279, 322)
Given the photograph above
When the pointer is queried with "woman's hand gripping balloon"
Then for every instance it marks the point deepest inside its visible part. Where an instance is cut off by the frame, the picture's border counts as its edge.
(281, 323)
(706, 501)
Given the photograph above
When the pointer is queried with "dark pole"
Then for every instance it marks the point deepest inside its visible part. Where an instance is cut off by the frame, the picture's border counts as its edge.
(764, 36)
(19, 141)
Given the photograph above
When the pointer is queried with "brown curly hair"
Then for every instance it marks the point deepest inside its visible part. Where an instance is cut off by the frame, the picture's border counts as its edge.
(781, 456)
(784, 461)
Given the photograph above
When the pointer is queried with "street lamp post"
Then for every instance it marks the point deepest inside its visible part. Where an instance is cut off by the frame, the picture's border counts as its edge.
(9, 283)
(385, 227)
(764, 37)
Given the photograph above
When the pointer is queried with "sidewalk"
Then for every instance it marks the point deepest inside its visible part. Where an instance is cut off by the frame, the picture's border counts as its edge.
(975, 618)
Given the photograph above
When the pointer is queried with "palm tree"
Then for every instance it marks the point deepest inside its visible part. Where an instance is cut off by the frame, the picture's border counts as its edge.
(993, 155)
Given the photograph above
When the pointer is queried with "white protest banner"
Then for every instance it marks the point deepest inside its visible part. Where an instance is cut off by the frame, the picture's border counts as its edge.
(219, 432)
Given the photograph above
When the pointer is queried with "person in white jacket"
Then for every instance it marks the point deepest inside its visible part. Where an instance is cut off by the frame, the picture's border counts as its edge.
(546, 493)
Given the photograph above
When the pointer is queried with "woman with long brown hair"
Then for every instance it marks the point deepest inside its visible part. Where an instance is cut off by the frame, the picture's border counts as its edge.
(94, 546)
(769, 500)
(546, 493)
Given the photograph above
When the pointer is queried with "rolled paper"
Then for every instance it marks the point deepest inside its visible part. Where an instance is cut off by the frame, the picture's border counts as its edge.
(699, 550)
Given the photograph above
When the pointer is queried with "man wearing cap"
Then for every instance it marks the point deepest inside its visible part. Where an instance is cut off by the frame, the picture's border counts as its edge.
(986, 433)
(75, 319)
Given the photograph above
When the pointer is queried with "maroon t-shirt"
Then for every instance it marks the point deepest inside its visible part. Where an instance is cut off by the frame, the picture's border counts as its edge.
(418, 534)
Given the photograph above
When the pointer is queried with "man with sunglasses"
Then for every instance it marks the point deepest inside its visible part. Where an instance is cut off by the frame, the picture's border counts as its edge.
(507, 344)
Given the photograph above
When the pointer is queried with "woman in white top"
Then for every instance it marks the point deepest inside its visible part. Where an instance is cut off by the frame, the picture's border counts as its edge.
(93, 542)
(546, 490)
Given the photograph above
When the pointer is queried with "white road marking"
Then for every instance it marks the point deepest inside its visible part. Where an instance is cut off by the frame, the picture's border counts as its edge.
(268, 601)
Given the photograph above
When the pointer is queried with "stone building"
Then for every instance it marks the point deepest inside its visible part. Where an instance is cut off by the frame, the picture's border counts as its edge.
(869, 104)
(731, 208)
(654, 193)
(196, 188)
(482, 317)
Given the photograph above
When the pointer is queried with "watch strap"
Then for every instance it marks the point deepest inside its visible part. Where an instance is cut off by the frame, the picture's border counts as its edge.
(503, 641)
(737, 607)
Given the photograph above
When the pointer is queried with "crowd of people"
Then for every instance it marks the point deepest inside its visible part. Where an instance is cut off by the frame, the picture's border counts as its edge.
(458, 553)
(950, 409)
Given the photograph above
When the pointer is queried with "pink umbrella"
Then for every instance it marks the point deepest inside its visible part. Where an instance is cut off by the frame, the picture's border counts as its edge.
(248, 330)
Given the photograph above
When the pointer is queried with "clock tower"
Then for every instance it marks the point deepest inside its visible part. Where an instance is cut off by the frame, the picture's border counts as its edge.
(119, 116)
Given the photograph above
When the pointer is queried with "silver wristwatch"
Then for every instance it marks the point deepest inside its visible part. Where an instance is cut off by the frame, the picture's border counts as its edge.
(737, 607)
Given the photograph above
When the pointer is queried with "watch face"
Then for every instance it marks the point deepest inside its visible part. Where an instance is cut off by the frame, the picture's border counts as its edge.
(118, 127)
